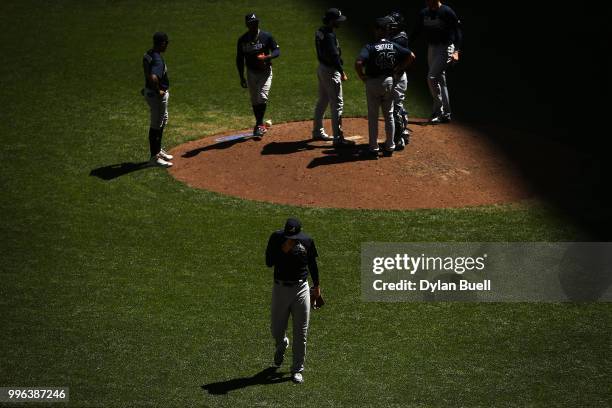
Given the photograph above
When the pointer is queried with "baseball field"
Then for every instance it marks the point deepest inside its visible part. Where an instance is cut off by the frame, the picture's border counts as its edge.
(134, 289)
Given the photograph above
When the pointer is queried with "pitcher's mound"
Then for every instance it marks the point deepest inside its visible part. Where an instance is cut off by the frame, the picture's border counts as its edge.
(448, 165)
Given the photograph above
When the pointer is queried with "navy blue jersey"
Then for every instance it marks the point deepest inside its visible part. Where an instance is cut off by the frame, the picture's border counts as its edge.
(250, 46)
(441, 26)
(382, 57)
(292, 266)
(153, 63)
(328, 48)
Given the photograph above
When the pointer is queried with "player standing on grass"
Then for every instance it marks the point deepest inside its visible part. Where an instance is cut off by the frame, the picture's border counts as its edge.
(257, 48)
(156, 94)
(293, 255)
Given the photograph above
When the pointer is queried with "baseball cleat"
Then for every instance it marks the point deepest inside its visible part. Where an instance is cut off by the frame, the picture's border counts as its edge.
(159, 161)
(342, 142)
(297, 378)
(164, 155)
(324, 138)
(440, 119)
(370, 154)
(387, 153)
(406, 136)
(279, 355)
(259, 131)
(321, 135)
(399, 142)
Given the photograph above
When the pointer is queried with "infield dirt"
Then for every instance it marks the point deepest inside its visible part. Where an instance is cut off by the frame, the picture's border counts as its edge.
(451, 165)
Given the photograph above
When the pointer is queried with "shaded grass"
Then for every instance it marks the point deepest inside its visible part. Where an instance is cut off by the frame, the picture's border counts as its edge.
(139, 290)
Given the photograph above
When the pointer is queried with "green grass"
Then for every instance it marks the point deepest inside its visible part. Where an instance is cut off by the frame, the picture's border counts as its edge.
(140, 290)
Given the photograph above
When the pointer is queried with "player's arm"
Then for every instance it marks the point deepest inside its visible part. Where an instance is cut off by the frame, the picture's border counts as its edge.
(403, 41)
(157, 71)
(240, 65)
(455, 25)
(154, 80)
(337, 61)
(271, 251)
(274, 50)
(408, 56)
(275, 53)
(359, 66)
(360, 63)
(313, 268)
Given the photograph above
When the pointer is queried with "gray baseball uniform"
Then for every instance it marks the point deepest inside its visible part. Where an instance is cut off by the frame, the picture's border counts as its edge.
(401, 79)
(256, 49)
(329, 74)
(293, 300)
(380, 95)
(443, 35)
(398, 36)
(293, 255)
(259, 83)
(156, 94)
(381, 58)
(158, 107)
(438, 58)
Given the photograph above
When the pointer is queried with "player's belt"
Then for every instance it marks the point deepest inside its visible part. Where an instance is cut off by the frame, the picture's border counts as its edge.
(289, 283)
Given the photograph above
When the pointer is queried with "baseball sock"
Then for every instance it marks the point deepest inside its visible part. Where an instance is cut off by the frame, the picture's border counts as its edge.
(155, 136)
(152, 138)
(256, 113)
(160, 133)
(260, 111)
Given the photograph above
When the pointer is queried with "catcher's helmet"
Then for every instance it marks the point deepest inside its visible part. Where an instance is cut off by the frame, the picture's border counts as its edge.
(398, 19)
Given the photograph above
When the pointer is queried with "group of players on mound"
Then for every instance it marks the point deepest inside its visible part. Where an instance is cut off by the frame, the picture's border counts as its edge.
(381, 65)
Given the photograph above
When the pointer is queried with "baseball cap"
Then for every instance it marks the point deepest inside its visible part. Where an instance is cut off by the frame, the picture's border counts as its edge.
(250, 18)
(160, 37)
(333, 14)
(293, 228)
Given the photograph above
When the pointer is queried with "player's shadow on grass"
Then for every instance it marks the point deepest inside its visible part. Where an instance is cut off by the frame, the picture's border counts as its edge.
(216, 146)
(117, 170)
(267, 376)
(278, 148)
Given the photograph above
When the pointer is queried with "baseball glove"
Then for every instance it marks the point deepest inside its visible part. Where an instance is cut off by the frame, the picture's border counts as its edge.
(316, 302)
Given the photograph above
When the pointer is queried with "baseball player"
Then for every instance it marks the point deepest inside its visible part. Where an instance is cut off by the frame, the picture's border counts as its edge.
(444, 38)
(400, 114)
(292, 254)
(331, 75)
(380, 60)
(257, 48)
(156, 94)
